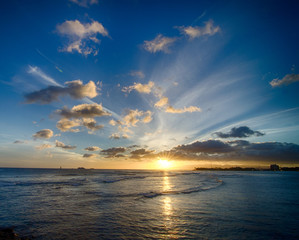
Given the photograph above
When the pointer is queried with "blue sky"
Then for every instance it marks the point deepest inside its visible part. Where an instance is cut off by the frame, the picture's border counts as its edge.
(122, 84)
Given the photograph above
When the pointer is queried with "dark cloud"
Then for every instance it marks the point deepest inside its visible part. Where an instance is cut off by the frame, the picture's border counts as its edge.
(239, 132)
(113, 152)
(62, 145)
(119, 155)
(75, 89)
(89, 155)
(117, 136)
(133, 146)
(83, 111)
(91, 124)
(43, 134)
(210, 146)
(18, 142)
(237, 150)
(141, 153)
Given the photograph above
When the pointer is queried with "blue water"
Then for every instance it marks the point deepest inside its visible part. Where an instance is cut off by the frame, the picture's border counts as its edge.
(123, 204)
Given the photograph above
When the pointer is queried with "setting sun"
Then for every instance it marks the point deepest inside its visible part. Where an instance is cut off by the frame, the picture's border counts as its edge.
(164, 164)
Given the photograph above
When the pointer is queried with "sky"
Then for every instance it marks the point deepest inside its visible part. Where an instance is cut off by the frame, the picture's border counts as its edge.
(126, 84)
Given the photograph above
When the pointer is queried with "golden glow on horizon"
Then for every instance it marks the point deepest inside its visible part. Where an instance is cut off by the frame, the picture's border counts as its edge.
(164, 164)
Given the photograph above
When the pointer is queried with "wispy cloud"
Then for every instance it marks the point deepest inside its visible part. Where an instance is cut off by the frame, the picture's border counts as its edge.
(159, 44)
(134, 116)
(138, 74)
(195, 32)
(19, 142)
(286, 80)
(43, 146)
(84, 3)
(82, 37)
(164, 103)
(139, 87)
(75, 89)
(190, 109)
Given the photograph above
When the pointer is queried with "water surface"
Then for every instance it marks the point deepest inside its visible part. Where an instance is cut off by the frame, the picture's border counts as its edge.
(129, 204)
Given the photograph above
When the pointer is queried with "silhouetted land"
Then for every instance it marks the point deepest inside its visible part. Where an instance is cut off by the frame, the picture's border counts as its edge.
(9, 234)
(246, 169)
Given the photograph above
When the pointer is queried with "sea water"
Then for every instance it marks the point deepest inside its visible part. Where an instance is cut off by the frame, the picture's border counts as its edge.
(130, 204)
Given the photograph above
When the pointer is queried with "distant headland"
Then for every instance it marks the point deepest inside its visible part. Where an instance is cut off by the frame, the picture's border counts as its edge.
(273, 167)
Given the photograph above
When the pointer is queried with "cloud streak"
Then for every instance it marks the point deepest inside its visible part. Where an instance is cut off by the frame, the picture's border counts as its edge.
(286, 80)
(164, 103)
(36, 71)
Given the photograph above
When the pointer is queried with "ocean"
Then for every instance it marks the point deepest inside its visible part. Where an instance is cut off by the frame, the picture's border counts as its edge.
(131, 204)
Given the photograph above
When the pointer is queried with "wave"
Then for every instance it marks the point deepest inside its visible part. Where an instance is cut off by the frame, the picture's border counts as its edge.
(183, 191)
(152, 194)
(122, 179)
(132, 175)
(70, 182)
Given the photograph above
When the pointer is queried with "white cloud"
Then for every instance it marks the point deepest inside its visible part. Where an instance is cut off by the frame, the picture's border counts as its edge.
(141, 88)
(287, 79)
(159, 44)
(80, 35)
(196, 32)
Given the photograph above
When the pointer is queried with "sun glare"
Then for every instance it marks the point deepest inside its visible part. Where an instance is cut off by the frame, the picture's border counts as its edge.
(164, 164)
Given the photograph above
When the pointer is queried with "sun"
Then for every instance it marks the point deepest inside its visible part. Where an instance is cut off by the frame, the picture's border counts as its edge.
(164, 164)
